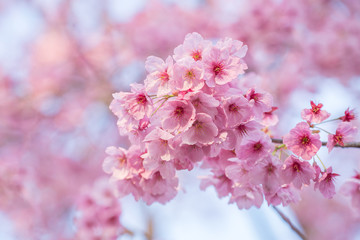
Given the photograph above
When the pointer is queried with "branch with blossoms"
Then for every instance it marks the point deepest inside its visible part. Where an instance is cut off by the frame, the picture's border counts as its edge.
(346, 145)
(194, 111)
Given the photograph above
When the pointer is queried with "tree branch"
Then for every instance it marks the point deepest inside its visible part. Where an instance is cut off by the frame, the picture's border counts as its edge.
(346, 145)
(287, 220)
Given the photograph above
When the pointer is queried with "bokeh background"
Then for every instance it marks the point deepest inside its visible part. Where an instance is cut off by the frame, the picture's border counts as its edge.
(61, 60)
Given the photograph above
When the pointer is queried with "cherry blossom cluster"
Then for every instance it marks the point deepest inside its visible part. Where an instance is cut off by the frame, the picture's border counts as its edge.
(99, 211)
(193, 108)
(304, 142)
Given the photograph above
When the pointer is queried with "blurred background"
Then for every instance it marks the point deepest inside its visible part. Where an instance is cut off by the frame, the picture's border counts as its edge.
(61, 60)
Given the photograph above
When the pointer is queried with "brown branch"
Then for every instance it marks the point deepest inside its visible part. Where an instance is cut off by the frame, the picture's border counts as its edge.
(346, 145)
(287, 220)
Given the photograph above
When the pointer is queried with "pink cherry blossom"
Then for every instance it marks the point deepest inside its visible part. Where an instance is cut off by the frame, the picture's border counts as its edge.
(237, 110)
(345, 133)
(247, 196)
(349, 115)
(193, 47)
(158, 144)
(158, 81)
(284, 195)
(297, 171)
(259, 101)
(178, 115)
(315, 114)
(254, 148)
(351, 188)
(221, 67)
(268, 173)
(326, 183)
(188, 75)
(269, 118)
(203, 103)
(302, 142)
(203, 130)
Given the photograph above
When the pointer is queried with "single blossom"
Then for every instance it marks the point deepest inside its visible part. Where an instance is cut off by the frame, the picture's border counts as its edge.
(254, 148)
(247, 196)
(188, 76)
(297, 171)
(259, 101)
(302, 142)
(203, 130)
(237, 110)
(315, 114)
(326, 183)
(159, 79)
(349, 115)
(178, 115)
(351, 188)
(221, 67)
(193, 48)
(284, 195)
(345, 133)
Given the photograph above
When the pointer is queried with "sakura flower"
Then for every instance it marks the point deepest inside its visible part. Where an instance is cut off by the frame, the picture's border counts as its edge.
(158, 144)
(188, 75)
(298, 172)
(246, 129)
(178, 115)
(156, 165)
(158, 189)
(247, 196)
(203, 103)
(259, 101)
(187, 156)
(237, 110)
(238, 171)
(315, 114)
(116, 163)
(326, 183)
(345, 133)
(351, 188)
(302, 142)
(203, 130)
(131, 107)
(349, 115)
(256, 147)
(220, 67)
(158, 81)
(267, 173)
(269, 118)
(193, 47)
(284, 195)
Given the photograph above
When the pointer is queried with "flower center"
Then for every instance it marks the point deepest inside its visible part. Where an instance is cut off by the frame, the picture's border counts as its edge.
(164, 76)
(233, 108)
(197, 124)
(218, 68)
(141, 99)
(242, 129)
(190, 75)
(305, 140)
(296, 167)
(196, 55)
(179, 111)
(258, 146)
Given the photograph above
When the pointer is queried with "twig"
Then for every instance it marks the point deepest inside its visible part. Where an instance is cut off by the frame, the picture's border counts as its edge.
(287, 220)
(346, 145)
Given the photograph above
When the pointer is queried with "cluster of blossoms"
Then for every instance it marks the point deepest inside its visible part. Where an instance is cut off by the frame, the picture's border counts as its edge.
(195, 109)
(304, 142)
(99, 213)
